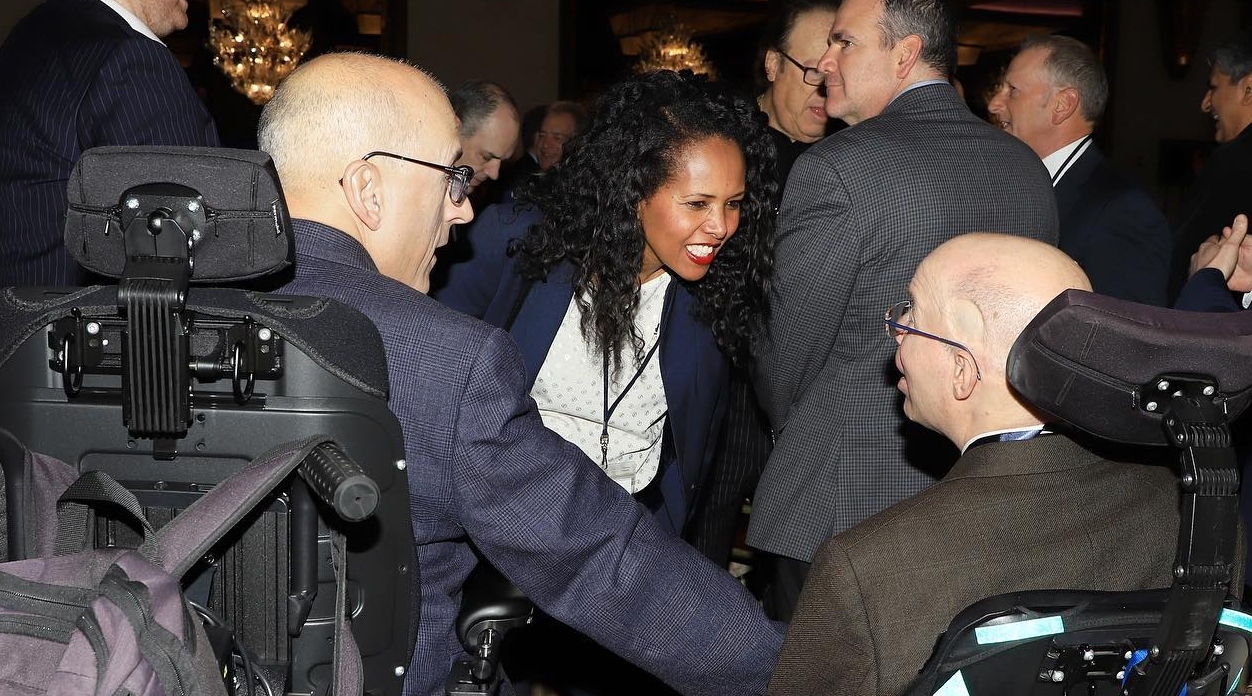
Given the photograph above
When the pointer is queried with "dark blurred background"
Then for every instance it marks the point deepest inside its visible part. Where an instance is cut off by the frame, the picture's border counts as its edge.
(543, 50)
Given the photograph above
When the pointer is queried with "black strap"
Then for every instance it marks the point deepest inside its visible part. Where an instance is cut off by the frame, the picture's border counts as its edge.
(74, 519)
(608, 410)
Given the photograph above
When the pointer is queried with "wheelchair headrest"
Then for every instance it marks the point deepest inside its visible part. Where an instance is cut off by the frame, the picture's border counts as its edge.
(231, 198)
(1107, 366)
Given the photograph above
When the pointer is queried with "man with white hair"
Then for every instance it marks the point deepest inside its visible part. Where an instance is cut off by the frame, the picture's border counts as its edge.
(1023, 508)
(370, 203)
(1051, 98)
(76, 74)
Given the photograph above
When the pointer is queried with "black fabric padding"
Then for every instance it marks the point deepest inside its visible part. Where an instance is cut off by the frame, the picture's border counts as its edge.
(248, 231)
(1086, 357)
(335, 336)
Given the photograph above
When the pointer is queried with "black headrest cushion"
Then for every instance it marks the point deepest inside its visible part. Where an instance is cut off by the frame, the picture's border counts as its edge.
(1092, 361)
(248, 230)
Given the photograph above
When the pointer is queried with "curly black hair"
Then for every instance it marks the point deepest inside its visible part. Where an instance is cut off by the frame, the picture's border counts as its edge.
(590, 203)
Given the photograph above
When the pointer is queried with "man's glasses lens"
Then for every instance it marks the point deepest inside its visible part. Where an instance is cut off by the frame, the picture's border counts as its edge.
(458, 187)
(894, 320)
(458, 177)
(812, 76)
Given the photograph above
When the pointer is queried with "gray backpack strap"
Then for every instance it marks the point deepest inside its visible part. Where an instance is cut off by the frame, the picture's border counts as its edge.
(348, 678)
(185, 539)
(74, 518)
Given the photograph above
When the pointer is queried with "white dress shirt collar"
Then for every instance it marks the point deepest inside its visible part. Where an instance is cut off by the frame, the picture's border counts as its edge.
(1060, 161)
(134, 22)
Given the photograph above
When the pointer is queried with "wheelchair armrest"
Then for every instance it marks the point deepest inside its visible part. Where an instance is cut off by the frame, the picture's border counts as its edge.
(491, 606)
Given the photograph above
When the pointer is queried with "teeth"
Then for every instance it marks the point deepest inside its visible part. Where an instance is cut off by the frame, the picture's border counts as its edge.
(700, 249)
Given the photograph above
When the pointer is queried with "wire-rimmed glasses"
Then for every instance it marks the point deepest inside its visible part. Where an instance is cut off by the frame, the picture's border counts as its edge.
(812, 76)
(895, 319)
(458, 177)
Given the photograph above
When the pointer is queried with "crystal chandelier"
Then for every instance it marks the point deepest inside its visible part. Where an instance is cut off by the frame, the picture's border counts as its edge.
(253, 45)
(672, 48)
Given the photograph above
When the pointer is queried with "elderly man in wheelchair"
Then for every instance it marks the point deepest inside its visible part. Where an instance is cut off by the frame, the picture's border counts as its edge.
(1058, 486)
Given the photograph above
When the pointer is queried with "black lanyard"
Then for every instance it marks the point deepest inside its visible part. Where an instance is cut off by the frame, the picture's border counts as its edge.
(1057, 177)
(608, 410)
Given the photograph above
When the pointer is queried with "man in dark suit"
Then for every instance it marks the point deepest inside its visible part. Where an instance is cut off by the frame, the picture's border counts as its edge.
(1053, 94)
(861, 209)
(1221, 191)
(484, 473)
(1021, 509)
(76, 74)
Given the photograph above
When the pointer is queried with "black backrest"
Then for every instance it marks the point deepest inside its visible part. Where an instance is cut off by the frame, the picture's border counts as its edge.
(170, 388)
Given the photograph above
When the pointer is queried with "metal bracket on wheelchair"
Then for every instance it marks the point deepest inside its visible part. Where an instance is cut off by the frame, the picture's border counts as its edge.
(77, 347)
(1183, 644)
(1156, 393)
(160, 223)
(1084, 664)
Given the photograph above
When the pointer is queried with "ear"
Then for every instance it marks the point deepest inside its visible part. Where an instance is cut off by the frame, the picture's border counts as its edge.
(773, 62)
(1066, 105)
(907, 52)
(362, 187)
(964, 375)
(1245, 90)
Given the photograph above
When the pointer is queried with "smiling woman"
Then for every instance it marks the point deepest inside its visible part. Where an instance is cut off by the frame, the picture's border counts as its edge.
(651, 244)
(631, 275)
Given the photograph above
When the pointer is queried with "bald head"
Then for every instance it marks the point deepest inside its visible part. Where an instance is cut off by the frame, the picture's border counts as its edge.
(993, 285)
(323, 121)
(337, 107)
(976, 292)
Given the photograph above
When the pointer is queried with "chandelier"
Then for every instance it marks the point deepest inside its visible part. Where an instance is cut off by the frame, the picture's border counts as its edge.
(253, 45)
(672, 48)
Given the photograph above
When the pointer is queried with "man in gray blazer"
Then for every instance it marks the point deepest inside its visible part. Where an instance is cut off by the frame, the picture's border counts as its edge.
(1021, 509)
(861, 209)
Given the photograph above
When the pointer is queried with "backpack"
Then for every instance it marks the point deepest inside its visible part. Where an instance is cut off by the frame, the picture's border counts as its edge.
(115, 621)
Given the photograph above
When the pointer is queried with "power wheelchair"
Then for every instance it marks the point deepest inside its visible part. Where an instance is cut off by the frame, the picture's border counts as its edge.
(170, 386)
(1135, 375)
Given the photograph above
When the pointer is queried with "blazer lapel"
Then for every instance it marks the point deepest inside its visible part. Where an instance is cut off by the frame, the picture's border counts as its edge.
(540, 317)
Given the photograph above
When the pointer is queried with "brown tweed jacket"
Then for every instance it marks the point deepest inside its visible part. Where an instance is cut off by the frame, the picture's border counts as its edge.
(1039, 514)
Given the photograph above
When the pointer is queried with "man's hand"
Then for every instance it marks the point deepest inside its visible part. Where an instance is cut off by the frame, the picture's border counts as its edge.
(1231, 253)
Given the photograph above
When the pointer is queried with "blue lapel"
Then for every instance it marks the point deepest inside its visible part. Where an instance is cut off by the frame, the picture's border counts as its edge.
(540, 317)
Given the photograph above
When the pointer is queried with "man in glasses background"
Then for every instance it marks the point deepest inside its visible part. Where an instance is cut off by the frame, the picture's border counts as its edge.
(370, 203)
(1021, 509)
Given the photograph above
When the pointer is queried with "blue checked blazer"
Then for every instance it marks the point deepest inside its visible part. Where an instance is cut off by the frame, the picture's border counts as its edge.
(861, 209)
(74, 75)
(1111, 227)
(483, 471)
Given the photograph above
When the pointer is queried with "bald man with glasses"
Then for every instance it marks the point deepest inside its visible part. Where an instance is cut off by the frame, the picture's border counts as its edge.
(370, 204)
(1023, 508)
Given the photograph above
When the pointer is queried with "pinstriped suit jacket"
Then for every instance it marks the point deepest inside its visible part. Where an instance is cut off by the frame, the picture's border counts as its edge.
(860, 211)
(74, 75)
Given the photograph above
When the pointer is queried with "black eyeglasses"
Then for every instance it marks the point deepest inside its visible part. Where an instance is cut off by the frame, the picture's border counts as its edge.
(458, 177)
(895, 317)
(812, 76)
